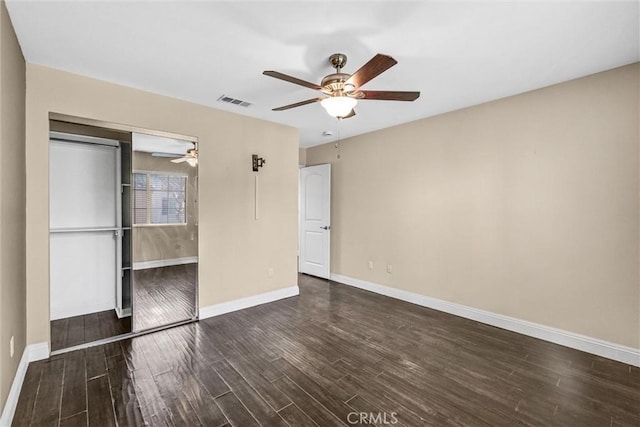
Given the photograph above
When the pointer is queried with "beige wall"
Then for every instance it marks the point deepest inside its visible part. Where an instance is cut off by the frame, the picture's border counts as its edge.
(302, 156)
(151, 243)
(526, 206)
(235, 250)
(12, 203)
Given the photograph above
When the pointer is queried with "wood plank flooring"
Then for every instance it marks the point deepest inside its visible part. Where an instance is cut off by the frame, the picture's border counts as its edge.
(164, 295)
(333, 356)
(77, 330)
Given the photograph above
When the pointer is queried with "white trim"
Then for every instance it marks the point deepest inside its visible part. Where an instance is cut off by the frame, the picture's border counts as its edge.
(123, 312)
(31, 353)
(38, 351)
(591, 345)
(242, 303)
(164, 262)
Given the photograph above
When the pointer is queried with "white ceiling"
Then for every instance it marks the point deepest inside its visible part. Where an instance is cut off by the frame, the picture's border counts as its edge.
(158, 144)
(457, 54)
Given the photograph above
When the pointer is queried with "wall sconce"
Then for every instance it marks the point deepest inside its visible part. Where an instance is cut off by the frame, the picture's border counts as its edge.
(257, 162)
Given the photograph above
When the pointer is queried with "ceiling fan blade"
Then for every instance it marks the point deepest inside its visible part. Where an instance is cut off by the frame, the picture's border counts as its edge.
(376, 66)
(290, 79)
(180, 160)
(298, 104)
(351, 114)
(387, 95)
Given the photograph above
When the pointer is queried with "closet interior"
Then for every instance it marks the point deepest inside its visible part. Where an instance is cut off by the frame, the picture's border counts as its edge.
(123, 233)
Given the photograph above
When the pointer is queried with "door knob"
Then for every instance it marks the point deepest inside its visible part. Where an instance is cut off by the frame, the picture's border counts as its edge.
(326, 227)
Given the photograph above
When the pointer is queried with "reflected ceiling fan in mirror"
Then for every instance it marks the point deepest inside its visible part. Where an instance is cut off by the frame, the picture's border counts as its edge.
(178, 150)
(191, 157)
(342, 90)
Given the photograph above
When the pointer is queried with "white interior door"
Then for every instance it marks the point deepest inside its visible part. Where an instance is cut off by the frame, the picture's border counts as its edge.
(315, 220)
(83, 216)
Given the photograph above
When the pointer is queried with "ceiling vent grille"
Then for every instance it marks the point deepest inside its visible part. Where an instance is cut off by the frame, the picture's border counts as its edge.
(234, 101)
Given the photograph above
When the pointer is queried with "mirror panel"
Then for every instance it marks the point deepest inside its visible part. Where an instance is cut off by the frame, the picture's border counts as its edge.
(164, 219)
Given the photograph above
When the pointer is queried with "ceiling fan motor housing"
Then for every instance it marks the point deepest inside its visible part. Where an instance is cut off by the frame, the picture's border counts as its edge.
(334, 84)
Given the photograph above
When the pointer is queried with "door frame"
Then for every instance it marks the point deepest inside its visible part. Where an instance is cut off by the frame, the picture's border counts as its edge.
(301, 229)
(118, 127)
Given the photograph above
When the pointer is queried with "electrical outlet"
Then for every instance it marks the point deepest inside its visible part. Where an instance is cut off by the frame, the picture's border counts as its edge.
(370, 265)
(11, 348)
(389, 268)
(270, 272)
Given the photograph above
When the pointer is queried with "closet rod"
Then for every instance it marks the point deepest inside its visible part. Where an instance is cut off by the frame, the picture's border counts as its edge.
(83, 229)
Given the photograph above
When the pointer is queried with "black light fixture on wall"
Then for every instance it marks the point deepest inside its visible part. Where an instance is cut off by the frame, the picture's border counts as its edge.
(257, 162)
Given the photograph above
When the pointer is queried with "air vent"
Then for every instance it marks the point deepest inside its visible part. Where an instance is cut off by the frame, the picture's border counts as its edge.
(235, 101)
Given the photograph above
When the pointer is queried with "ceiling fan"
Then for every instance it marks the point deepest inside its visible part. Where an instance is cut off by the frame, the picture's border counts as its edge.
(342, 91)
(191, 157)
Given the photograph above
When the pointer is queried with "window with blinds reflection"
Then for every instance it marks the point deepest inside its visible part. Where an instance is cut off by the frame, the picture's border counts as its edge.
(159, 198)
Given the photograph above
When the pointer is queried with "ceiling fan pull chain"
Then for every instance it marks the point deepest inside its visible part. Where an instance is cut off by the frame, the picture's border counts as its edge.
(338, 137)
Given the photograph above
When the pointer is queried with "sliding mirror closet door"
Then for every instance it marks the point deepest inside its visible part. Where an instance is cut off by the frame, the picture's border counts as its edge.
(165, 231)
(85, 242)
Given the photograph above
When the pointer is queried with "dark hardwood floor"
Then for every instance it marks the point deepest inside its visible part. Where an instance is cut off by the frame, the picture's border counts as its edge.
(164, 295)
(86, 328)
(320, 358)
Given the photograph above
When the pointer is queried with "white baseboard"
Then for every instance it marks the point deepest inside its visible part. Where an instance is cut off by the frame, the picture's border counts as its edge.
(591, 345)
(164, 262)
(124, 312)
(239, 304)
(31, 353)
(38, 351)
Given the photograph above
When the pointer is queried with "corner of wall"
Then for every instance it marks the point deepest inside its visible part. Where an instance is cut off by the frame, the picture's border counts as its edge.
(12, 204)
(497, 206)
(302, 156)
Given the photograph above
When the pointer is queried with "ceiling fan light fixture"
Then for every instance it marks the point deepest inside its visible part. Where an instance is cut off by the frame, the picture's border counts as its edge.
(193, 161)
(338, 106)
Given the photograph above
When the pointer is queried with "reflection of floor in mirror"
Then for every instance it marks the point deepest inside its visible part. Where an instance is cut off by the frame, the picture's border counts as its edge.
(163, 295)
(86, 328)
